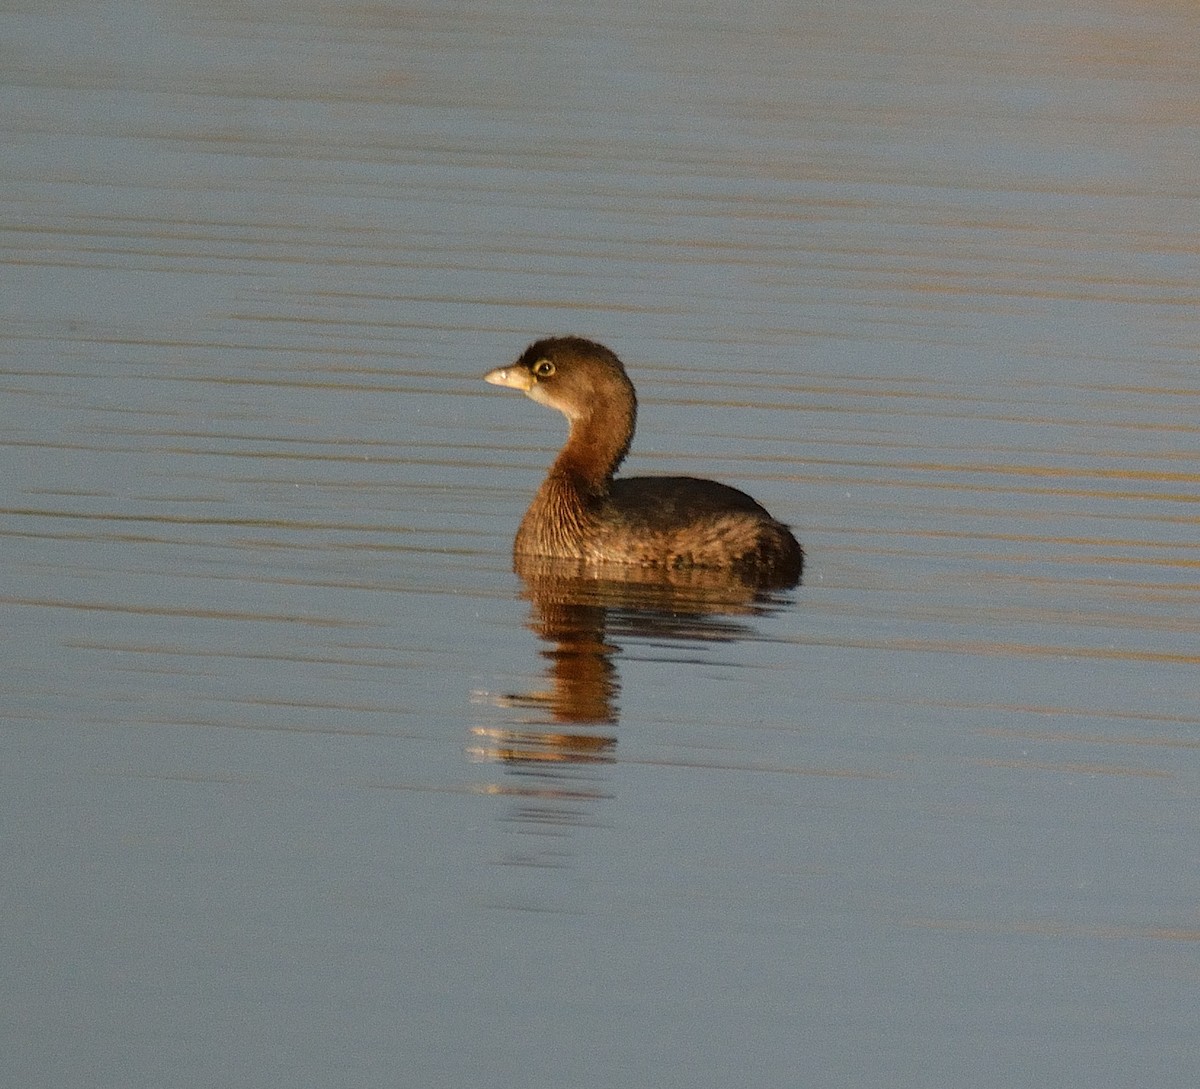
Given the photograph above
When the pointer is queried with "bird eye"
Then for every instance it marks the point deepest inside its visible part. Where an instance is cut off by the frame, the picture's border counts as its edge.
(543, 368)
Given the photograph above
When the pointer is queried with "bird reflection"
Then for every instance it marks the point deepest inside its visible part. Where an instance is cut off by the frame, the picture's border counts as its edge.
(560, 736)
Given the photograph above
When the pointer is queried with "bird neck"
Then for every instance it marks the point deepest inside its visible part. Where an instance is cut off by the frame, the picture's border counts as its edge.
(597, 444)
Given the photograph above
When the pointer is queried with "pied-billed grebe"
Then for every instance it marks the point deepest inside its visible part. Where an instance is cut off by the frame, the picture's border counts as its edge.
(581, 513)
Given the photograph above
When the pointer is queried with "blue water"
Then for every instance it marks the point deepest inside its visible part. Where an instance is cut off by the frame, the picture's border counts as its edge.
(302, 785)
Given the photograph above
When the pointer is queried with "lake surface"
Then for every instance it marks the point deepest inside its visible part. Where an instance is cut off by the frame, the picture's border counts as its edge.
(303, 785)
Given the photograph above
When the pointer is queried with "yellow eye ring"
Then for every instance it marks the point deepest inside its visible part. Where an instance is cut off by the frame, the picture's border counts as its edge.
(543, 368)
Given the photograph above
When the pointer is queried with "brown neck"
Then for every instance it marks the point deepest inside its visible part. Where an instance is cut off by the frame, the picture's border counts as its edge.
(595, 447)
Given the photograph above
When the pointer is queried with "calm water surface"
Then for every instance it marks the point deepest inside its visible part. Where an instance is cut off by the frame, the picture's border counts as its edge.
(302, 785)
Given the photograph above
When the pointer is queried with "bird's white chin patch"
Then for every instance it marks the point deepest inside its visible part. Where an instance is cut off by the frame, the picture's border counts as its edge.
(538, 393)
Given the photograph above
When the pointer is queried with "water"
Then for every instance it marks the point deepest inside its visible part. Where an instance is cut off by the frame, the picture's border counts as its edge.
(303, 785)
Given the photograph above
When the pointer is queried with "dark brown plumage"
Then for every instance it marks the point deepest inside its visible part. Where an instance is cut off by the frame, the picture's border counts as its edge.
(580, 512)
